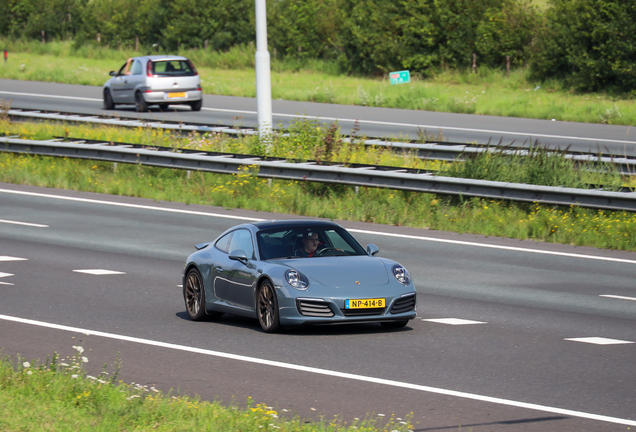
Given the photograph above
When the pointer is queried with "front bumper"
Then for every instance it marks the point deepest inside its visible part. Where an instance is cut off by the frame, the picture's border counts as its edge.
(316, 311)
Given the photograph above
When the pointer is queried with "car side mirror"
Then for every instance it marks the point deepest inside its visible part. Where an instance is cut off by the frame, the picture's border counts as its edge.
(239, 255)
(372, 249)
(111, 73)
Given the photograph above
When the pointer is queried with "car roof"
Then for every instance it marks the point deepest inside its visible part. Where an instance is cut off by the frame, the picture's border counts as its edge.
(162, 57)
(274, 224)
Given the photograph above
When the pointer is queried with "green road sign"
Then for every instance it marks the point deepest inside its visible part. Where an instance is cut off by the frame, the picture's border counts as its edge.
(400, 77)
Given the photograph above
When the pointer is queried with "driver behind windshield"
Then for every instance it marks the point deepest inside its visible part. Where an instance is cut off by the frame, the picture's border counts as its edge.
(311, 244)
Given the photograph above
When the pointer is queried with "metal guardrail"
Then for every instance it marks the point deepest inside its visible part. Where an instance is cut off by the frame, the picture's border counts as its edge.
(362, 176)
(444, 151)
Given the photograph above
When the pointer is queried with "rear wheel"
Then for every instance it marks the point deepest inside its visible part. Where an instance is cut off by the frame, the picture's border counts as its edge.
(394, 324)
(140, 103)
(267, 308)
(194, 295)
(108, 100)
(196, 105)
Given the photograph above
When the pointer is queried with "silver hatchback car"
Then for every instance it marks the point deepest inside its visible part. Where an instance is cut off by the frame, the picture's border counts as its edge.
(154, 80)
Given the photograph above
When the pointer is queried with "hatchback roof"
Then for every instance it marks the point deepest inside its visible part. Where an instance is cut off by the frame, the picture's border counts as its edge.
(163, 57)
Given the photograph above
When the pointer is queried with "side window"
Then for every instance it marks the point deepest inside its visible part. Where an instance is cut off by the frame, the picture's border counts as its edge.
(223, 244)
(122, 69)
(136, 69)
(242, 239)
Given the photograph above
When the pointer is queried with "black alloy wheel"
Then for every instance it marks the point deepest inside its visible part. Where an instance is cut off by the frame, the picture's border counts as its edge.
(267, 308)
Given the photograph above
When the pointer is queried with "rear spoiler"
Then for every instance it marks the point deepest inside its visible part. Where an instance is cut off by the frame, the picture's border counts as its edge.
(202, 245)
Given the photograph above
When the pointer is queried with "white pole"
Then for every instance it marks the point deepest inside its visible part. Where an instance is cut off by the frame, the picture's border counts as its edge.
(263, 79)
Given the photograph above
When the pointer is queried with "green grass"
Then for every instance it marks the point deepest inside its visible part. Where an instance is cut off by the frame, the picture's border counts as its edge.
(59, 395)
(567, 225)
(488, 92)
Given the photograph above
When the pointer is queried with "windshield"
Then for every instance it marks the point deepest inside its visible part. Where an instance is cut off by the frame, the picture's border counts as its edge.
(307, 242)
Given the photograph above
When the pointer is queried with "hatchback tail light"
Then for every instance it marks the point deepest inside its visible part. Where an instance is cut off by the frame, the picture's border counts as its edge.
(149, 68)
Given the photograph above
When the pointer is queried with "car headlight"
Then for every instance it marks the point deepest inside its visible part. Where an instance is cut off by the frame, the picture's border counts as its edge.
(296, 280)
(401, 274)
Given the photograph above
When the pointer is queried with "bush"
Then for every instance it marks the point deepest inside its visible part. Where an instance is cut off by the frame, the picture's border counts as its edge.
(507, 31)
(589, 45)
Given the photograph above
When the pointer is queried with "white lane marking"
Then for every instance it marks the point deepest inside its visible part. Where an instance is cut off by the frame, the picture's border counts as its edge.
(23, 223)
(6, 283)
(618, 297)
(10, 258)
(599, 341)
(251, 219)
(99, 272)
(510, 248)
(328, 372)
(5, 275)
(454, 321)
(137, 206)
(377, 122)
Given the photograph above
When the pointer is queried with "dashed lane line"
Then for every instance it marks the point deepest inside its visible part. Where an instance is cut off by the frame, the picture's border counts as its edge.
(327, 372)
(99, 272)
(23, 223)
(618, 297)
(599, 341)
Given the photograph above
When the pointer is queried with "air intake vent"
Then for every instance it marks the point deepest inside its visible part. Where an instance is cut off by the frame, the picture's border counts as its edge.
(362, 312)
(314, 308)
(404, 304)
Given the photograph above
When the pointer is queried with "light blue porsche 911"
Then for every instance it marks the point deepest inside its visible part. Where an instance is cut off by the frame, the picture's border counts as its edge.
(296, 272)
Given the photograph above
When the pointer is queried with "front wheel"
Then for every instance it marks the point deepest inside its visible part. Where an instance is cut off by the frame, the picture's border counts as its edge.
(108, 100)
(267, 309)
(140, 103)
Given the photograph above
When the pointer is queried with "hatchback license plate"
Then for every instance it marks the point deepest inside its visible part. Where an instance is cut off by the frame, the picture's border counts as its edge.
(176, 95)
(365, 303)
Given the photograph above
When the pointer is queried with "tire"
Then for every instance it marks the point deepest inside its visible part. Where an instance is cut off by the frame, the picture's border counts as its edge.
(267, 308)
(196, 105)
(394, 324)
(163, 106)
(140, 103)
(194, 295)
(108, 100)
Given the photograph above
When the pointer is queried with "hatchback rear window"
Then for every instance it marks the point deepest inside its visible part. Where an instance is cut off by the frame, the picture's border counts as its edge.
(172, 68)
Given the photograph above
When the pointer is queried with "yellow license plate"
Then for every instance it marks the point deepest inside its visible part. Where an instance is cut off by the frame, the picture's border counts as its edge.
(365, 303)
(177, 95)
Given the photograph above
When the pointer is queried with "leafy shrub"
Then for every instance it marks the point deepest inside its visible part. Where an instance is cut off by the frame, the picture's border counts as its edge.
(588, 44)
(507, 31)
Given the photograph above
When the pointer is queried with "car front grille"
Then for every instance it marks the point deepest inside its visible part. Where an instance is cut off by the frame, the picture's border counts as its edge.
(404, 304)
(314, 308)
(362, 312)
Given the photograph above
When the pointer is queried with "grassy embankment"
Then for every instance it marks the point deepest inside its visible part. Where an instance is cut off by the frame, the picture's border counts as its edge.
(58, 395)
(487, 92)
(568, 225)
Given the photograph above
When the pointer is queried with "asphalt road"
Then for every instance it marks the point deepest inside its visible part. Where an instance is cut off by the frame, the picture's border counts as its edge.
(509, 363)
(373, 122)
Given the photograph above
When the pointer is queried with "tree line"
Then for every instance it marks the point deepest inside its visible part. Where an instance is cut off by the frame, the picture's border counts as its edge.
(587, 44)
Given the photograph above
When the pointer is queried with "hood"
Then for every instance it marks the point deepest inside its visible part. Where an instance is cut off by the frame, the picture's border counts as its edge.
(341, 271)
